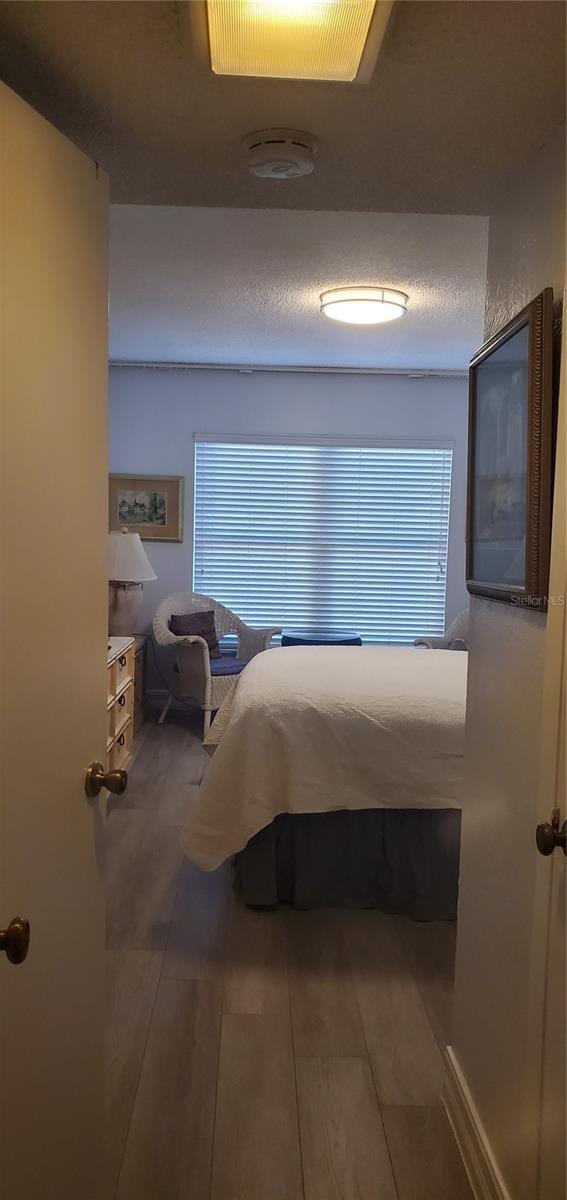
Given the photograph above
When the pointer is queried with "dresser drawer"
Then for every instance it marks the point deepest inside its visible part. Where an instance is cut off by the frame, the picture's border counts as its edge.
(121, 750)
(123, 669)
(120, 711)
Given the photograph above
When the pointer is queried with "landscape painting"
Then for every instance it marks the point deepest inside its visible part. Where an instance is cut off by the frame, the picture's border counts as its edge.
(142, 508)
(149, 505)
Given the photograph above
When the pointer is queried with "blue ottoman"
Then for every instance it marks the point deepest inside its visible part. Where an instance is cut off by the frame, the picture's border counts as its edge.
(321, 637)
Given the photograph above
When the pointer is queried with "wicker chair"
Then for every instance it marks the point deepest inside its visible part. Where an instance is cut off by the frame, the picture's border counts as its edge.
(203, 680)
(456, 636)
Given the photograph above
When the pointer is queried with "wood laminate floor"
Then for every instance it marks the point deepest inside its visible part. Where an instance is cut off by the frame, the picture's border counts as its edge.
(262, 1055)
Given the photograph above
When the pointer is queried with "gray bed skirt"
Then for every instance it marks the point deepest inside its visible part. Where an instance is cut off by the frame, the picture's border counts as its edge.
(397, 860)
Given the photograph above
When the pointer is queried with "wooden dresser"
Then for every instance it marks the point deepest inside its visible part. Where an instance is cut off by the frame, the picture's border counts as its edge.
(120, 702)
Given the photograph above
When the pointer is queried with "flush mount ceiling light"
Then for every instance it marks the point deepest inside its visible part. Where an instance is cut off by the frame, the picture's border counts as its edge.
(333, 40)
(363, 305)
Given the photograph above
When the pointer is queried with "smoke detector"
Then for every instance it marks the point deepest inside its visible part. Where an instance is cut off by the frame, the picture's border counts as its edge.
(280, 153)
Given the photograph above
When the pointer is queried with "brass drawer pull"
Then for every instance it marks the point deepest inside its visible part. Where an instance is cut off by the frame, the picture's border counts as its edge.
(122, 660)
(121, 740)
(122, 701)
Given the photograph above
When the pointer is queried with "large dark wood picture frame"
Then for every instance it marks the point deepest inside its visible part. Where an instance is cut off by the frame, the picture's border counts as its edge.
(511, 459)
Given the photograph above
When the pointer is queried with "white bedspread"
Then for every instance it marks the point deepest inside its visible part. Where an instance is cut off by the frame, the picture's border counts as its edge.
(316, 728)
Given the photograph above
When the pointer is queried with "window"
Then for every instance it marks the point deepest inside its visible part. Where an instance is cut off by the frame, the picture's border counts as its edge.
(325, 536)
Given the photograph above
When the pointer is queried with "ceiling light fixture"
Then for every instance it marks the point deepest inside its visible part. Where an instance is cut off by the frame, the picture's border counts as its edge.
(297, 39)
(363, 305)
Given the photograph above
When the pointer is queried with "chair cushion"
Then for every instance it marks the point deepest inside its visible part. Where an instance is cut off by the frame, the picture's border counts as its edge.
(227, 665)
(197, 624)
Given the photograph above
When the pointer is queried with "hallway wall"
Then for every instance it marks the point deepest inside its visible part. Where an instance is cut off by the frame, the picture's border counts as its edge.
(493, 1017)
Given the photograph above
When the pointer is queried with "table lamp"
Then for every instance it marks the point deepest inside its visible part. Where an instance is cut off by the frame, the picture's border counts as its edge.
(128, 569)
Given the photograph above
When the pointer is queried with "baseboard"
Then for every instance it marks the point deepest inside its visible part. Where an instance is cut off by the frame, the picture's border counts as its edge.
(475, 1149)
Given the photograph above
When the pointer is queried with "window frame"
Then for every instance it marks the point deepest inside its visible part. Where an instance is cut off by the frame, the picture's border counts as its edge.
(330, 442)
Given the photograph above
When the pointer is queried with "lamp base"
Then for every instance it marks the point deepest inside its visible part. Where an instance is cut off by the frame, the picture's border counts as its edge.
(124, 601)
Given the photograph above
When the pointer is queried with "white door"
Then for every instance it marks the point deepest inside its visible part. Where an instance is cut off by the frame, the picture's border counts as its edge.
(548, 1078)
(552, 1177)
(53, 474)
(552, 1164)
(507, 1070)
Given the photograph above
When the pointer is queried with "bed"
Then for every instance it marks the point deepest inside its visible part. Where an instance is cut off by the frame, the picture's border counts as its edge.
(336, 779)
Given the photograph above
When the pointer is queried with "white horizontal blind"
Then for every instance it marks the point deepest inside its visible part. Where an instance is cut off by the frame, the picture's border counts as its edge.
(325, 536)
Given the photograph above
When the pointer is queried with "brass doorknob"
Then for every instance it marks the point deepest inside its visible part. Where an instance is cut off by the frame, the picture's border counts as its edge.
(97, 778)
(15, 940)
(550, 837)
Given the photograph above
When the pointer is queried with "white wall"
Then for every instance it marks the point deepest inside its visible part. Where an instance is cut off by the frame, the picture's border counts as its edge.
(155, 413)
(242, 285)
(493, 1020)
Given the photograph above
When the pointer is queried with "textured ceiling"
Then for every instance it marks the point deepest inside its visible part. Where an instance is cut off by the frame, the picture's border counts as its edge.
(463, 92)
(239, 286)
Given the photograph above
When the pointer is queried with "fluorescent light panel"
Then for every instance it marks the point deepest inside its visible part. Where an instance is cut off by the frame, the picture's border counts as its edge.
(289, 39)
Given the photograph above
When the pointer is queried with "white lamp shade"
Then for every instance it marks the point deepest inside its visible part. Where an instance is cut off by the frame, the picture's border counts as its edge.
(127, 559)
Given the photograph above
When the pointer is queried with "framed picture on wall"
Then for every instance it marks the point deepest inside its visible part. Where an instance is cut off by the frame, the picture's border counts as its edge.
(511, 450)
(151, 505)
